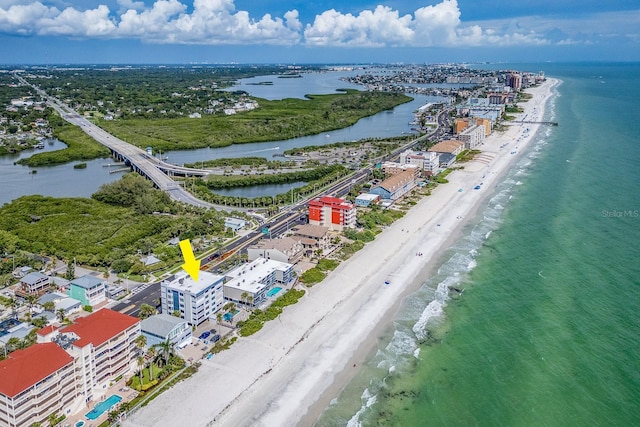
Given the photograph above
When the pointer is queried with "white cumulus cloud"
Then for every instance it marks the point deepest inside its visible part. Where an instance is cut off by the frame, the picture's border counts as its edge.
(218, 22)
(165, 21)
(436, 25)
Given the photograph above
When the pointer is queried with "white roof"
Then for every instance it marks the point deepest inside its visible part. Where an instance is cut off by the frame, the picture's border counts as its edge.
(257, 269)
(368, 196)
(248, 277)
(183, 282)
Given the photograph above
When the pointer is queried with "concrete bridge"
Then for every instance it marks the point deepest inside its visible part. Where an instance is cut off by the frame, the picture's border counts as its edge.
(138, 159)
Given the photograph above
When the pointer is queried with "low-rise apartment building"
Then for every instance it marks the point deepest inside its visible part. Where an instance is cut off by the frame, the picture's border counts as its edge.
(395, 186)
(312, 237)
(89, 290)
(285, 249)
(34, 283)
(251, 283)
(159, 328)
(426, 161)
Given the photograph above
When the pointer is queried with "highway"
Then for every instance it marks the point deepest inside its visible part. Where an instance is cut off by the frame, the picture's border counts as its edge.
(139, 160)
(157, 170)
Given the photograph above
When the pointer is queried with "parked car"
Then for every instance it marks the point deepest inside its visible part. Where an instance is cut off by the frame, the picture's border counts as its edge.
(204, 335)
(215, 338)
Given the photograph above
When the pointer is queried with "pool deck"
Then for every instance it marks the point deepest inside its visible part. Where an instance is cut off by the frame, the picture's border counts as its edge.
(120, 388)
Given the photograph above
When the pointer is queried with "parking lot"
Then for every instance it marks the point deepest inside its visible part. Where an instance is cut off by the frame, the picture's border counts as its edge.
(201, 346)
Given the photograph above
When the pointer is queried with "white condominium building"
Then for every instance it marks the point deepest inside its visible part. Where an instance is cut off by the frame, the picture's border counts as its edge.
(195, 301)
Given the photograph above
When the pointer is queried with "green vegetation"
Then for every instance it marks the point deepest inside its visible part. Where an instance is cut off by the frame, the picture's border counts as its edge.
(312, 276)
(348, 249)
(241, 161)
(258, 317)
(274, 120)
(80, 166)
(341, 144)
(102, 234)
(327, 264)
(376, 217)
(80, 146)
(467, 155)
(217, 181)
(147, 382)
(147, 92)
(315, 178)
(135, 192)
(513, 109)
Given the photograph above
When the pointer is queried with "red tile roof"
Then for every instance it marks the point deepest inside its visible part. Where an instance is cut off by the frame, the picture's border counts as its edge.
(334, 202)
(46, 330)
(99, 327)
(27, 367)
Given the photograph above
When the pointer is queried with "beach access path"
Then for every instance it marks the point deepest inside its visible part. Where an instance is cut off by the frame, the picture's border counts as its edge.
(287, 373)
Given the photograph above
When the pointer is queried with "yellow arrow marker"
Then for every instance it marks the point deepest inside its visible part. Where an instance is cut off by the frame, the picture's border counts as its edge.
(191, 264)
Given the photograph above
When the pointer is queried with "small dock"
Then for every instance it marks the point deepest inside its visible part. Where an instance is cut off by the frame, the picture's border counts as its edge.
(537, 123)
(108, 165)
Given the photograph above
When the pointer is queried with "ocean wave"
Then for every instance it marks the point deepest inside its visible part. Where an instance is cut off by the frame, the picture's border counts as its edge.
(368, 400)
(424, 310)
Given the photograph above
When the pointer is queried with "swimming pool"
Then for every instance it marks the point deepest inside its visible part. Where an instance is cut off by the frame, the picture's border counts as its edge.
(103, 407)
(273, 291)
(228, 316)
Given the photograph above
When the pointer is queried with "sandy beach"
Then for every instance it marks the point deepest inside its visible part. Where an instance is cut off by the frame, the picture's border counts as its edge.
(288, 372)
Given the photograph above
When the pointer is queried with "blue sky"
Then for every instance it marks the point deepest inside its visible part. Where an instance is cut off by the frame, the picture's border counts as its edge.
(296, 31)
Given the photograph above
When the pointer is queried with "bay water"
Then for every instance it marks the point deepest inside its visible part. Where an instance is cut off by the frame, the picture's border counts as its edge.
(546, 331)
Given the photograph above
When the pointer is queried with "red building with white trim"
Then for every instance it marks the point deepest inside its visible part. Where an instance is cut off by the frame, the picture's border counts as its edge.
(332, 212)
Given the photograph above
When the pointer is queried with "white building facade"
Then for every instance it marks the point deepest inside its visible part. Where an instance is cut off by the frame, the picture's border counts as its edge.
(472, 136)
(250, 284)
(195, 301)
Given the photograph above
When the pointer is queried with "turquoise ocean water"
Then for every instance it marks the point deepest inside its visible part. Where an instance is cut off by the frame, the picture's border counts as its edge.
(547, 329)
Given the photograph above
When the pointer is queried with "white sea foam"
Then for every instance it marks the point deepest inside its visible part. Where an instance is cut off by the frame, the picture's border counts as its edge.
(368, 400)
(403, 347)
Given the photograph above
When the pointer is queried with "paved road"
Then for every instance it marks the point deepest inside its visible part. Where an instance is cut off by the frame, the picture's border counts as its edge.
(139, 159)
(145, 294)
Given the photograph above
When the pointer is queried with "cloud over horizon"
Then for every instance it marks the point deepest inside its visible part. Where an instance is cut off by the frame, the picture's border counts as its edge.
(217, 22)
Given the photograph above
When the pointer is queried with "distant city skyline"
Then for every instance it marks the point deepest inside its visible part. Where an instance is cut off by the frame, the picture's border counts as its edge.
(278, 31)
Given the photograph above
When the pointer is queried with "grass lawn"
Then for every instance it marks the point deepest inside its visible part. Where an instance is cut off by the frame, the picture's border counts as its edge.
(135, 380)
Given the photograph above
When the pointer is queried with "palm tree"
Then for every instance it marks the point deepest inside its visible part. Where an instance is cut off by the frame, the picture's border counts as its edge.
(140, 361)
(49, 306)
(151, 353)
(12, 304)
(146, 311)
(141, 342)
(165, 351)
(244, 297)
(60, 315)
(32, 299)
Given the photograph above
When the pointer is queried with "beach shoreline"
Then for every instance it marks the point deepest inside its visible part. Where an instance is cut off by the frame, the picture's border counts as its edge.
(288, 372)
